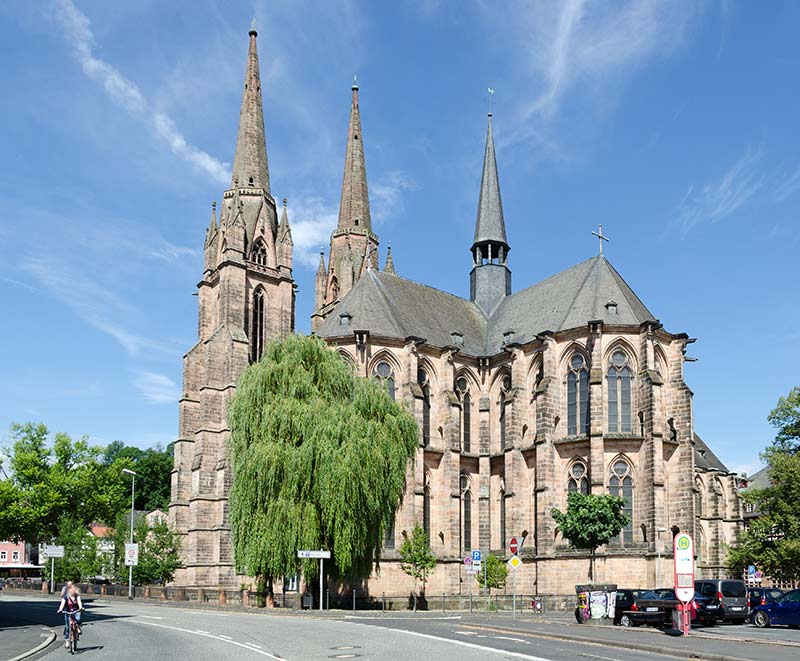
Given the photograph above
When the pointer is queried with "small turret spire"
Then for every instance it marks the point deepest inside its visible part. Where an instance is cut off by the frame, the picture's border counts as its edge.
(490, 224)
(354, 205)
(389, 267)
(250, 166)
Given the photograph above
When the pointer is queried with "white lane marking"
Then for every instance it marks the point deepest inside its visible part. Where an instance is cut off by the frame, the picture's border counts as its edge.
(254, 645)
(463, 643)
(516, 640)
(208, 635)
(409, 617)
(197, 630)
(466, 633)
(152, 617)
(225, 637)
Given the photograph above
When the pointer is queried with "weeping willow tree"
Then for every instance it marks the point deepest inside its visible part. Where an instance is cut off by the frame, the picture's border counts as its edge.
(319, 461)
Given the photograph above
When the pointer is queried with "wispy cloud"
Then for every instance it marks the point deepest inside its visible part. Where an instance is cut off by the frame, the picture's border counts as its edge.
(719, 198)
(96, 305)
(579, 48)
(788, 186)
(387, 194)
(77, 29)
(312, 220)
(156, 388)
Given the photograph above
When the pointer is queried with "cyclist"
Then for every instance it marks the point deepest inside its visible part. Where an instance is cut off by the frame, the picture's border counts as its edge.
(65, 590)
(71, 604)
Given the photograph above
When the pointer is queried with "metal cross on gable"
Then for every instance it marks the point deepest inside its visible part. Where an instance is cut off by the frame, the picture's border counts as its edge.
(599, 235)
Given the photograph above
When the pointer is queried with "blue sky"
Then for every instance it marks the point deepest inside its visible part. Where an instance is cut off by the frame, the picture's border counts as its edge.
(675, 125)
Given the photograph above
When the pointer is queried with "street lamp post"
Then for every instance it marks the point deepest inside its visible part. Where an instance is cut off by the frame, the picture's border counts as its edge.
(658, 561)
(128, 471)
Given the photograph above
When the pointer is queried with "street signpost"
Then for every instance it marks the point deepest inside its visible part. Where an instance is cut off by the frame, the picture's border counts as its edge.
(323, 556)
(514, 562)
(131, 555)
(51, 551)
(683, 552)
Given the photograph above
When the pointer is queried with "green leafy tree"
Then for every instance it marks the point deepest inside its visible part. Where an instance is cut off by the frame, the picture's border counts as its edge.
(590, 522)
(159, 551)
(416, 558)
(153, 472)
(772, 540)
(785, 417)
(319, 460)
(496, 573)
(45, 481)
(81, 561)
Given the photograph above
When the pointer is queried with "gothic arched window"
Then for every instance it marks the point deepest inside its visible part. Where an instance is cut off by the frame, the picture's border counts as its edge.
(620, 483)
(504, 389)
(618, 379)
(383, 371)
(462, 387)
(466, 513)
(426, 512)
(502, 517)
(577, 396)
(578, 479)
(257, 326)
(698, 498)
(388, 535)
(422, 380)
(259, 254)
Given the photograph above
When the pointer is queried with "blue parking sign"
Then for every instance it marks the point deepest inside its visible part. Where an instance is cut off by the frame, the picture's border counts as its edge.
(476, 556)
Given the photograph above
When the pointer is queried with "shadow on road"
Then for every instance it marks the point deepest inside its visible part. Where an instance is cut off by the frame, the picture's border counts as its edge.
(25, 612)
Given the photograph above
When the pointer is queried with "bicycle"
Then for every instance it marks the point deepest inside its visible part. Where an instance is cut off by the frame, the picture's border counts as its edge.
(74, 632)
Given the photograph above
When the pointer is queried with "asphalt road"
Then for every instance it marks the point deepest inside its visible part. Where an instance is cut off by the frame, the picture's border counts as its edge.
(123, 630)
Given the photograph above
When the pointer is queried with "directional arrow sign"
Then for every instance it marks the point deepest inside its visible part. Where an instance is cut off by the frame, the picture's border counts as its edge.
(314, 554)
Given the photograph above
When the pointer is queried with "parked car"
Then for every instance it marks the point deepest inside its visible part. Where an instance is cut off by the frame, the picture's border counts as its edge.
(627, 612)
(761, 596)
(705, 610)
(785, 610)
(731, 595)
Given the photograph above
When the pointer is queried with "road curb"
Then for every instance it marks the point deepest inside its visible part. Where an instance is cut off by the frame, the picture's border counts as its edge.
(638, 647)
(50, 638)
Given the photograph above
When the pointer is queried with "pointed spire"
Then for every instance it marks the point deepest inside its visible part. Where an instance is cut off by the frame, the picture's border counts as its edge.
(389, 267)
(283, 228)
(250, 162)
(354, 206)
(321, 271)
(490, 225)
(212, 226)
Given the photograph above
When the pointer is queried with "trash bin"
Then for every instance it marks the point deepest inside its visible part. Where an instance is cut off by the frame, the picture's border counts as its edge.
(595, 602)
(308, 600)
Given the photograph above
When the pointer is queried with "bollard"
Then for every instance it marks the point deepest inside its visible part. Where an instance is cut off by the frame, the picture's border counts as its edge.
(354, 601)
(223, 599)
(415, 602)
(383, 601)
(442, 603)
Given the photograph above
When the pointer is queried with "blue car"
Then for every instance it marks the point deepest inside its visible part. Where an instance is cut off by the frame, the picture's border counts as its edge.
(786, 610)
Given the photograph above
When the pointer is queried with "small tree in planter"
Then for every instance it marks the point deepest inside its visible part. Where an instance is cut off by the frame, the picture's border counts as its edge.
(590, 522)
(416, 558)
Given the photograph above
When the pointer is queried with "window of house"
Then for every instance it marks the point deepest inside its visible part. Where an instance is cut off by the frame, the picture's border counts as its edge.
(257, 326)
(578, 479)
(383, 371)
(465, 423)
(259, 255)
(577, 396)
(422, 380)
(620, 484)
(15, 556)
(618, 380)
(3, 555)
(290, 583)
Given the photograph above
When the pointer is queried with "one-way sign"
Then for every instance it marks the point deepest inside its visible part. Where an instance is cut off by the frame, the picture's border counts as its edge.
(314, 554)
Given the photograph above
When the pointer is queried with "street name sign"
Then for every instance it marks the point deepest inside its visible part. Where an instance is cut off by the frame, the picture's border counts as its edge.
(324, 555)
(131, 555)
(52, 551)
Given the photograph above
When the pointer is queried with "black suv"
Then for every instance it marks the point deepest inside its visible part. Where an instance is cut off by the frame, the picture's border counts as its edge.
(731, 594)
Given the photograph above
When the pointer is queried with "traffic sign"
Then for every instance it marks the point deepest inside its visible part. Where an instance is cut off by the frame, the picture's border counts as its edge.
(467, 560)
(472, 570)
(513, 546)
(131, 555)
(52, 551)
(514, 561)
(684, 567)
(314, 554)
(476, 556)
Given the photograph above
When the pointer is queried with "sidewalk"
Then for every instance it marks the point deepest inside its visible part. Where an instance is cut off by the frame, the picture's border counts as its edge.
(21, 637)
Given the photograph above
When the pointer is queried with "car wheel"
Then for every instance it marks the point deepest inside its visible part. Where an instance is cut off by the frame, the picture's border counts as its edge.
(625, 621)
(794, 626)
(761, 619)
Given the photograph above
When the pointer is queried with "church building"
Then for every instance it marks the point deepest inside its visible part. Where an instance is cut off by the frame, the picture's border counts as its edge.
(521, 395)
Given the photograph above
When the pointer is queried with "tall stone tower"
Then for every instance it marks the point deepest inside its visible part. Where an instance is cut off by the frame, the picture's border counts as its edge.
(246, 298)
(354, 248)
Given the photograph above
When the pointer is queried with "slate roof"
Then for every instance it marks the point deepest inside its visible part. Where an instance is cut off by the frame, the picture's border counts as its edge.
(490, 225)
(705, 459)
(390, 306)
(760, 480)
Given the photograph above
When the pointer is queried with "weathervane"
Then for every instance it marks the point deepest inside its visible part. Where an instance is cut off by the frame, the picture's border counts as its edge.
(253, 23)
(489, 99)
(599, 235)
